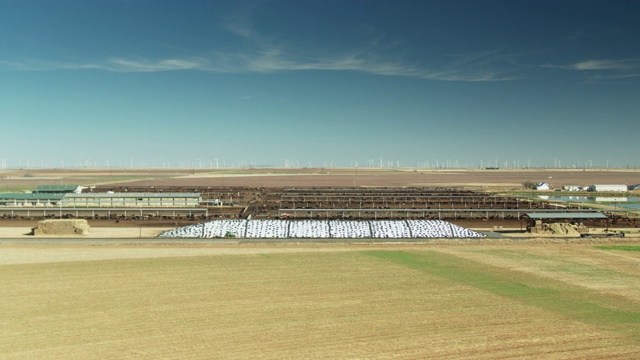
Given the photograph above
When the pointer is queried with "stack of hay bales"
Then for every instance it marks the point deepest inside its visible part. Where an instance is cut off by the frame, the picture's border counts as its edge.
(537, 228)
(61, 227)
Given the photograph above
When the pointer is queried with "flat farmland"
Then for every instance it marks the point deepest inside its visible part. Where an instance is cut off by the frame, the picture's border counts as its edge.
(472, 179)
(203, 301)
(315, 177)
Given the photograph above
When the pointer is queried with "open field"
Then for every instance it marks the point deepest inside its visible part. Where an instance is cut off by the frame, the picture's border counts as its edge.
(339, 177)
(320, 301)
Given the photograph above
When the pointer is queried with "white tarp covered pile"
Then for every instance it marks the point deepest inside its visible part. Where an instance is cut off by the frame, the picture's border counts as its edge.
(349, 229)
(267, 229)
(322, 229)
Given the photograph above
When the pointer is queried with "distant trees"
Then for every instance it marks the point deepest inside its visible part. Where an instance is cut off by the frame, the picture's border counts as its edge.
(529, 184)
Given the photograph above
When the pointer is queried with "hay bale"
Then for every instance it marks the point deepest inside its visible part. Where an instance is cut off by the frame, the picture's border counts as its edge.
(62, 227)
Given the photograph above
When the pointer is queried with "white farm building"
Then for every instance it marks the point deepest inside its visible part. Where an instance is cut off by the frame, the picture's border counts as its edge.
(543, 186)
(608, 188)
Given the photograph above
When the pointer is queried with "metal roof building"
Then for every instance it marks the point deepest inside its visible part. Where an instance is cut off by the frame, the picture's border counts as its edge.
(566, 216)
(58, 189)
(537, 221)
(126, 199)
(30, 199)
(608, 187)
(177, 200)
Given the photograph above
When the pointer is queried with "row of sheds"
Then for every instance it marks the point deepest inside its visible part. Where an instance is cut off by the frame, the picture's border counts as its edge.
(592, 188)
(72, 196)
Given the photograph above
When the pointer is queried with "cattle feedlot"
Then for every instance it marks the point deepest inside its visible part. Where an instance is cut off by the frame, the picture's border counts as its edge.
(504, 295)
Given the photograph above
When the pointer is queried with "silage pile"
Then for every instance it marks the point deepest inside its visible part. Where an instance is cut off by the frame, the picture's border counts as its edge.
(562, 229)
(322, 229)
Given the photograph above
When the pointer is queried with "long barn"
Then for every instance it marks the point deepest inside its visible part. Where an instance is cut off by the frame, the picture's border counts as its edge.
(125, 199)
(132, 200)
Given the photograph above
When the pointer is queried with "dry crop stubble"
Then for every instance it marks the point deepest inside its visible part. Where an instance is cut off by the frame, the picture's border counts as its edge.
(357, 304)
(586, 266)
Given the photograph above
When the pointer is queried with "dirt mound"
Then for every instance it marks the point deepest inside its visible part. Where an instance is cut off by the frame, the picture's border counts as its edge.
(61, 227)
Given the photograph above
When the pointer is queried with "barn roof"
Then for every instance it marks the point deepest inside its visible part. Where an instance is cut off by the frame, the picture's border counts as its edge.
(56, 188)
(572, 215)
(133, 195)
(31, 196)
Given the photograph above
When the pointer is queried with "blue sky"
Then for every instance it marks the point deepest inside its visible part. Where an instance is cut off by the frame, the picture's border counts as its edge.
(319, 83)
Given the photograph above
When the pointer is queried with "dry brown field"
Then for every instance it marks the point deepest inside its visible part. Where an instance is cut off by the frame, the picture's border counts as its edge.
(341, 177)
(553, 301)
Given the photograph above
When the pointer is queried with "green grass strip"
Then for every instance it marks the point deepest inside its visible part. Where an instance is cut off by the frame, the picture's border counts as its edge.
(584, 305)
(619, 247)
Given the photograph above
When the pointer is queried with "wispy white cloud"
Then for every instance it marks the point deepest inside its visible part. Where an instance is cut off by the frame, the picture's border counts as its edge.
(129, 65)
(278, 61)
(604, 69)
(268, 55)
(626, 64)
(261, 54)
(617, 76)
(113, 65)
(274, 60)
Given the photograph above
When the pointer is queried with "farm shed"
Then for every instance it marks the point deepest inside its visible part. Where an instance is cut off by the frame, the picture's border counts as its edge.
(132, 200)
(617, 188)
(536, 220)
(543, 186)
(30, 199)
(58, 189)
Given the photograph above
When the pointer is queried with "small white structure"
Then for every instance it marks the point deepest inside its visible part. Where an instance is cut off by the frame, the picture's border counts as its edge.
(571, 188)
(543, 186)
(610, 188)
